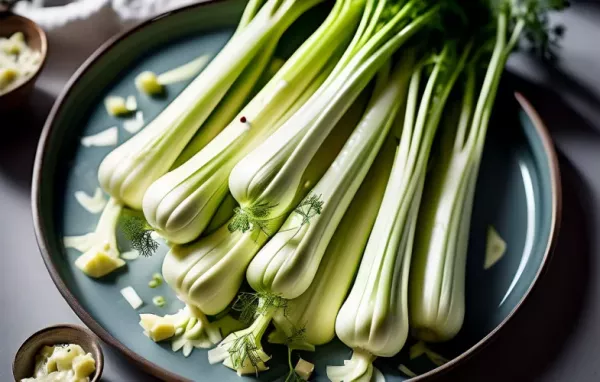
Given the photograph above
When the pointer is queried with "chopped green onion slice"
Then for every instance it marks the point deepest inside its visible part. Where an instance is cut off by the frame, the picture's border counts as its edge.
(158, 277)
(159, 301)
(495, 248)
(153, 284)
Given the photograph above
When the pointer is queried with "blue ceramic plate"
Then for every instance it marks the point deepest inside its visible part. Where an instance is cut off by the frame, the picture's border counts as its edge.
(518, 193)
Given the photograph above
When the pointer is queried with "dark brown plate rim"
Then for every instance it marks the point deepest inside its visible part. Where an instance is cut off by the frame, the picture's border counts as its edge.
(158, 371)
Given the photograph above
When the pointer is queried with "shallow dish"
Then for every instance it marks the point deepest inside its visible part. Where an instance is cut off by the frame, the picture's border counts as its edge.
(23, 363)
(518, 193)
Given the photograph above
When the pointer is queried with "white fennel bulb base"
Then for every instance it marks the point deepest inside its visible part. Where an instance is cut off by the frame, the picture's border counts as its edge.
(358, 369)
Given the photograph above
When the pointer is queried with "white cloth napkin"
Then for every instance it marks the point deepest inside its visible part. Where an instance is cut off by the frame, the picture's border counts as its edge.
(76, 29)
(51, 14)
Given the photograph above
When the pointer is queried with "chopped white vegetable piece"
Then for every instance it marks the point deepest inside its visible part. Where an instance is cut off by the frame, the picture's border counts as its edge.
(116, 106)
(184, 72)
(133, 125)
(80, 243)
(304, 369)
(131, 103)
(495, 248)
(108, 137)
(407, 371)
(130, 255)
(132, 297)
(93, 204)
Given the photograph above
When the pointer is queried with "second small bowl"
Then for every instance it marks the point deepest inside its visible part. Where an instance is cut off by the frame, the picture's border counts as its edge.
(24, 362)
(36, 39)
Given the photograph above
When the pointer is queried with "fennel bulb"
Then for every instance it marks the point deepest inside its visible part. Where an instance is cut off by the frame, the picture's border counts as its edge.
(437, 285)
(373, 320)
(207, 274)
(243, 350)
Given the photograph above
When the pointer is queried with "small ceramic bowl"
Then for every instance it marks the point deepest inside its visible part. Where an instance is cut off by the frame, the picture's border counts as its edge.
(24, 361)
(36, 39)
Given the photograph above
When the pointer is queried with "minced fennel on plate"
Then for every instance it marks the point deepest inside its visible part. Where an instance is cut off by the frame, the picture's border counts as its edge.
(62, 363)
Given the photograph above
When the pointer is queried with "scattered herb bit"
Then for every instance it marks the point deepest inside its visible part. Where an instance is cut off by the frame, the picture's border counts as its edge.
(245, 219)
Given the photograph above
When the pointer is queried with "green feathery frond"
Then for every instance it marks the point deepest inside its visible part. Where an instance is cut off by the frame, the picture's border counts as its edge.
(252, 304)
(139, 233)
(245, 219)
(310, 207)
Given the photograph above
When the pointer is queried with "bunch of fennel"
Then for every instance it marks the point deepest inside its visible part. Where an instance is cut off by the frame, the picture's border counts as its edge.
(128, 171)
(243, 350)
(207, 273)
(437, 280)
(266, 182)
(180, 204)
(373, 320)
